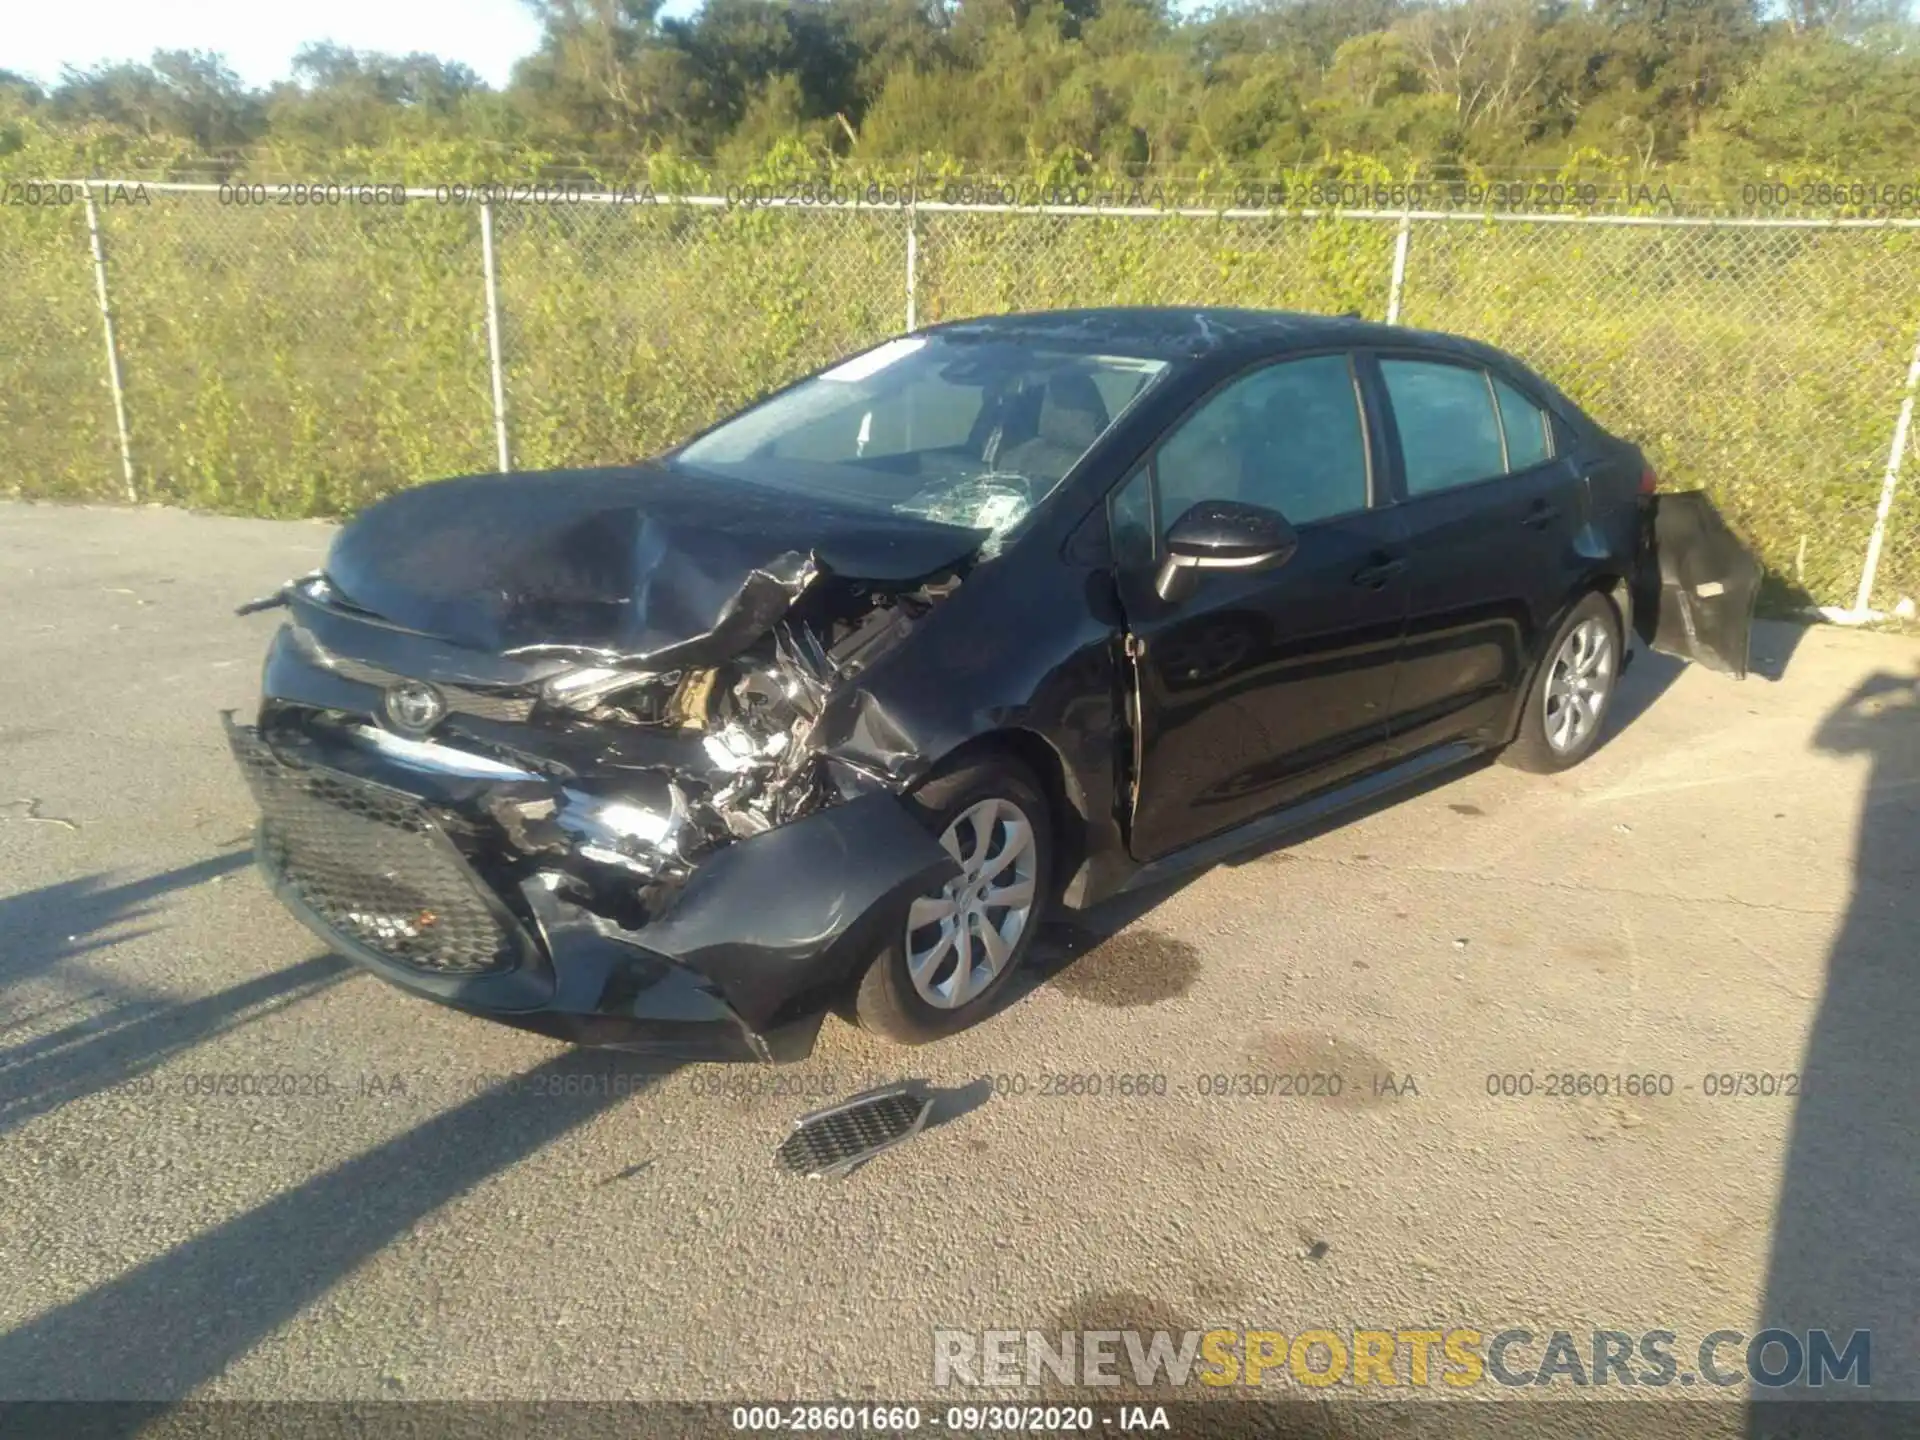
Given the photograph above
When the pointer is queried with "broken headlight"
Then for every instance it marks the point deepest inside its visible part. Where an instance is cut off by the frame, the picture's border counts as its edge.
(638, 833)
(639, 697)
(586, 687)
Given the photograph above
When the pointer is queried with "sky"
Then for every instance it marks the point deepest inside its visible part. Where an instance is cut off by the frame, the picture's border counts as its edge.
(259, 37)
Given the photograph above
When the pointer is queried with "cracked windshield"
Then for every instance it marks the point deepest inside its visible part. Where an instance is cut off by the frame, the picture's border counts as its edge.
(964, 433)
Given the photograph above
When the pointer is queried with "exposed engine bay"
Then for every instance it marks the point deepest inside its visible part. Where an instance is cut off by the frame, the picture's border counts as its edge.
(679, 760)
(760, 715)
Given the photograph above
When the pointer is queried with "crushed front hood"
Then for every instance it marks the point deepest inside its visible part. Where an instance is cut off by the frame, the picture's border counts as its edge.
(646, 564)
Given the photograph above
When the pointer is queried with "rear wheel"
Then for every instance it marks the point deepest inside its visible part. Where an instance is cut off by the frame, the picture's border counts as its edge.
(961, 942)
(1568, 701)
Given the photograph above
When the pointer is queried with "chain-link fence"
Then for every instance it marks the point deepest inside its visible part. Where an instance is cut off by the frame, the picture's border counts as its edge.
(1766, 365)
(304, 359)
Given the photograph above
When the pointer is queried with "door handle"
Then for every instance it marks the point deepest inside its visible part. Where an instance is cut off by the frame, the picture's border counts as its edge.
(1378, 574)
(1541, 515)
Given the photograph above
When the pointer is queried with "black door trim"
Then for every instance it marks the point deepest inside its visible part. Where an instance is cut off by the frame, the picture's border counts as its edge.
(1275, 824)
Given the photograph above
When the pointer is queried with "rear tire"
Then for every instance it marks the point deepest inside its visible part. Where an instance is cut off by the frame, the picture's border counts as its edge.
(1572, 691)
(962, 943)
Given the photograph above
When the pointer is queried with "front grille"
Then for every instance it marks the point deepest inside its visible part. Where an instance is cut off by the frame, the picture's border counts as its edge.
(509, 705)
(376, 868)
(487, 704)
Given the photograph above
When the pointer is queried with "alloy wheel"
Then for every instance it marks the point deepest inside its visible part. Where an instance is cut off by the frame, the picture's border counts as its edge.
(1578, 685)
(960, 938)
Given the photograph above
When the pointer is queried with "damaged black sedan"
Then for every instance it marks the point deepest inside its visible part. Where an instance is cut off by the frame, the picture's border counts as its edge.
(828, 707)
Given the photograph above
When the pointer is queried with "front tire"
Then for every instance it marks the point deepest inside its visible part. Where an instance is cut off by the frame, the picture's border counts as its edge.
(961, 944)
(1568, 701)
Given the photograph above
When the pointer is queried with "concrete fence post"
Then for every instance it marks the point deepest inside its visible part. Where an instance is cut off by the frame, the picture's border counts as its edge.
(913, 262)
(1398, 283)
(113, 349)
(493, 336)
(1889, 482)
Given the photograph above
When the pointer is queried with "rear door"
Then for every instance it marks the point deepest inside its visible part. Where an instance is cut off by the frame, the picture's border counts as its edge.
(1695, 584)
(1492, 510)
(1256, 689)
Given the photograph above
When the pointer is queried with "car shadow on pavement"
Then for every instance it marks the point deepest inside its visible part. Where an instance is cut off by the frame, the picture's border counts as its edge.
(1652, 674)
(1649, 677)
(1774, 642)
(178, 1320)
(116, 1032)
(1845, 1250)
(134, 1036)
(1062, 943)
(57, 922)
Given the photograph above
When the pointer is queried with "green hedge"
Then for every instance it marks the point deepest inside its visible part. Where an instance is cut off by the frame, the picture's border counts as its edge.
(303, 361)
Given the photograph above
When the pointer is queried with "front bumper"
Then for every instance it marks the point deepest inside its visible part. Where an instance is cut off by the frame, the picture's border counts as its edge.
(407, 874)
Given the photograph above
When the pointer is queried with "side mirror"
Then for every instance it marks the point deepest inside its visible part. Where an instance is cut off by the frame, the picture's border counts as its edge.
(1223, 535)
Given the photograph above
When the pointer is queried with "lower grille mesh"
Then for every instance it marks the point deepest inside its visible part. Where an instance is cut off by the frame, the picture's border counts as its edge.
(374, 866)
(832, 1142)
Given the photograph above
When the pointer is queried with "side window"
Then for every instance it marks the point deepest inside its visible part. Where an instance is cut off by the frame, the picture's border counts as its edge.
(1449, 434)
(1130, 521)
(1525, 426)
(1117, 387)
(1288, 436)
(1564, 439)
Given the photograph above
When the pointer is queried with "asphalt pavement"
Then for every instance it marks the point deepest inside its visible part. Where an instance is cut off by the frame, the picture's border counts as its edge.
(1720, 903)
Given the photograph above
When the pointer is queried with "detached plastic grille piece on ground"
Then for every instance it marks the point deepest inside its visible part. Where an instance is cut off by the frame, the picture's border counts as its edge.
(834, 1141)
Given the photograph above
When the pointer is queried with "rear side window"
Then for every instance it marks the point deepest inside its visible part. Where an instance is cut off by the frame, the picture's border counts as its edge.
(1449, 433)
(1525, 426)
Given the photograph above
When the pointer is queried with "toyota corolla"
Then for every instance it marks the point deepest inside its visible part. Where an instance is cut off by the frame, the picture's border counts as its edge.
(828, 707)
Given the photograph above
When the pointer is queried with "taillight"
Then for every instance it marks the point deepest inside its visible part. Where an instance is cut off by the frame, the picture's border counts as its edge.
(1649, 482)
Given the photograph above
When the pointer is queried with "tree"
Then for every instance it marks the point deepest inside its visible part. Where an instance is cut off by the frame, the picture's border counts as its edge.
(183, 93)
(1080, 84)
(1820, 102)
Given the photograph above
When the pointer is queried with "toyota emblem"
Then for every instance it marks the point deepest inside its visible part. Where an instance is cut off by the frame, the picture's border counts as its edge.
(413, 708)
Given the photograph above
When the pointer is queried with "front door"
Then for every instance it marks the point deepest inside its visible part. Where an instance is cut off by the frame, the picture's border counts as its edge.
(1253, 690)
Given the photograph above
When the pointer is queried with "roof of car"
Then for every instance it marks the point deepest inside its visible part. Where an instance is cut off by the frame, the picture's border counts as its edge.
(1181, 332)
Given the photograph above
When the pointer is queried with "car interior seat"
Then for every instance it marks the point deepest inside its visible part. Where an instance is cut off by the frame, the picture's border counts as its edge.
(1070, 417)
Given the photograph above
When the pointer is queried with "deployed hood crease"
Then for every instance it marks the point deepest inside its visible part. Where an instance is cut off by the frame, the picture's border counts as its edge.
(644, 566)
(766, 594)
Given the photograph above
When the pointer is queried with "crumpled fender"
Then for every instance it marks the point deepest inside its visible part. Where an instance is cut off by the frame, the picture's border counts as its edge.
(814, 897)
